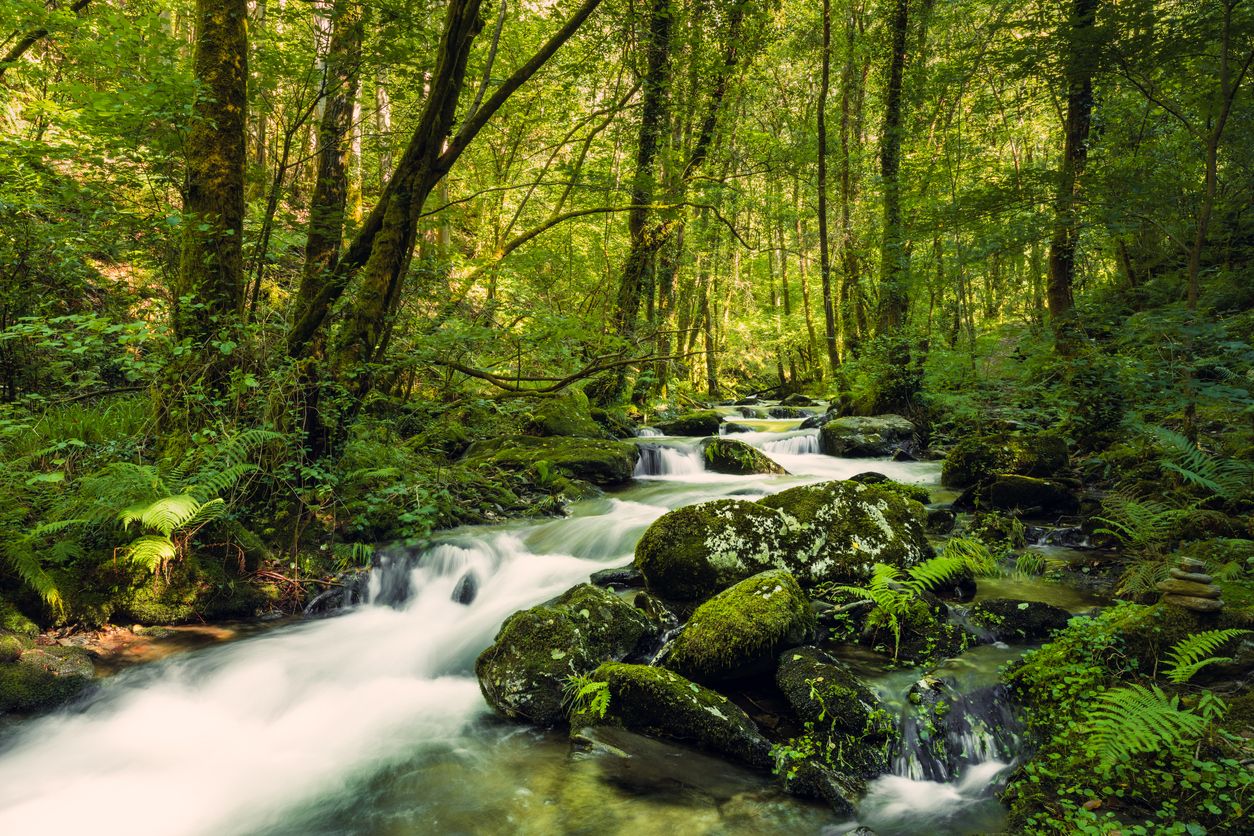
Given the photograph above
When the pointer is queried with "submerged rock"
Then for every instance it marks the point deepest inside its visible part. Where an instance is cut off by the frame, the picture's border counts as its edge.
(601, 462)
(661, 703)
(702, 422)
(944, 730)
(523, 674)
(740, 631)
(723, 455)
(832, 531)
(1009, 620)
(860, 437)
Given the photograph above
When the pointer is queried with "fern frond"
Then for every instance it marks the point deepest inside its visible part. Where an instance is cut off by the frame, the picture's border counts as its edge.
(151, 551)
(1139, 522)
(25, 563)
(1125, 721)
(166, 514)
(1190, 655)
(973, 553)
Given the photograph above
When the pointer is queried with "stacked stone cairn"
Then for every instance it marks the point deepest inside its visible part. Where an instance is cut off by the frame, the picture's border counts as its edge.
(1191, 588)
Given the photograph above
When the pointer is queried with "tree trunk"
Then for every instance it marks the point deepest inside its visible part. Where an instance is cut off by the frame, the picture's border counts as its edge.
(850, 293)
(825, 259)
(1081, 57)
(894, 299)
(209, 287)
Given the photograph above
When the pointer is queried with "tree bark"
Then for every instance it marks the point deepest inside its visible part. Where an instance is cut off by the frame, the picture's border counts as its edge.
(1081, 57)
(825, 258)
(894, 298)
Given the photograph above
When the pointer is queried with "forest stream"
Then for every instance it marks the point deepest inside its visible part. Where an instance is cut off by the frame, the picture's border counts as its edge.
(371, 721)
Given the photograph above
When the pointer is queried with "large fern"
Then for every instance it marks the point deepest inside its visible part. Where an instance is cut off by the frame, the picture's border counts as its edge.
(1141, 523)
(1190, 655)
(1225, 478)
(1135, 718)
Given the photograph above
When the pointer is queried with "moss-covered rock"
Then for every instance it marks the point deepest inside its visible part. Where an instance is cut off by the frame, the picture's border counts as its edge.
(43, 678)
(601, 462)
(1025, 494)
(827, 695)
(616, 423)
(1009, 620)
(785, 413)
(916, 492)
(741, 631)
(661, 703)
(12, 646)
(979, 457)
(798, 399)
(924, 633)
(838, 530)
(724, 455)
(524, 673)
(701, 422)
(859, 437)
(565, 414)
(693, 552)
(12, 620)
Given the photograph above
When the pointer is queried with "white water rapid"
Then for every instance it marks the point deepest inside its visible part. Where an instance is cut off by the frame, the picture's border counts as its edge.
(371, 721)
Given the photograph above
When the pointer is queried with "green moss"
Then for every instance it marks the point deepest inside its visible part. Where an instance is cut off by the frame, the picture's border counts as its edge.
(724, 455)
(701, 422)
(742, 629)
(43, 678)
(598, 461)
(979, 457)
(565, 414)
(11, 647)
(523, 674)
(693, 552)
(661, 703)
(866, 437)
(12, 620)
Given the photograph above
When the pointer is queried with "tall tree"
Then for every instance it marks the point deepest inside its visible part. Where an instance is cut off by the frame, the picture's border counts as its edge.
(825, 258)
(209, 286)
(1080, 64)
(894, 262)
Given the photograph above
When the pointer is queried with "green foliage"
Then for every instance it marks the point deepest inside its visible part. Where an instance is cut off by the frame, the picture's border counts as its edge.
(1143, 524)
(1225, 478)
(1190, 655)
(1136, 718)
(587, 696)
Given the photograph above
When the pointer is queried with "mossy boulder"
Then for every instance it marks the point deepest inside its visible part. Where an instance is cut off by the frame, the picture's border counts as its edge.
(741, 631)
(798, 399)
(1009, 620)
(977, 458)
(12, 620)
(926, 633)
(694, 552)
(12, 646)
(1022, 494)
(615, 423)
(916, 492)
(523, 674)
(838, 530)
(724, 455)
(661, 703)
(824, 692)
(565, 414)
(701, 422)
(599, 461)
(43, 678)
(785, 413)
(860, 437)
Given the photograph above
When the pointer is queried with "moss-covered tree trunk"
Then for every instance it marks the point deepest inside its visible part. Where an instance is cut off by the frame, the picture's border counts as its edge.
(1080, 60)
(825, 257)
(209, 286)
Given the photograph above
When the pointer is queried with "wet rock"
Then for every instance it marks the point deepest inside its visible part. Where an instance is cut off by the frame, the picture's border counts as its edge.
(916, 492)
(661, 703)
(624, 577)
(940, 520)
(615, 424)
(467, 588)
(600, 462)
(752, 400)
(1024, 494)
(827, 694)
(980, 457)
(944, 730)
(741, 631)
(723, 455)
(876, 436)
(43, 678)
(702, 422)
(813, 779)
(1010, 620)
(787, 412)
(798, 399)
(831, 531)
(1202, 605)
(750, 412)
(1195, 577)
(815, 421)
(523, 674)
(731, 428)
(1174, 586)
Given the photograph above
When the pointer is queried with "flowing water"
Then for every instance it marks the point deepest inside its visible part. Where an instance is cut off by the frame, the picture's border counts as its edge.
(371, 722)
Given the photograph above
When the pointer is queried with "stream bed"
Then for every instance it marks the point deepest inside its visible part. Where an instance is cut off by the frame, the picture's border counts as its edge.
(371, 721)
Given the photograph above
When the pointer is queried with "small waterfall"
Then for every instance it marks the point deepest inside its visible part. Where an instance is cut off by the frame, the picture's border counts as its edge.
(801, 444)
(648, 432)
(661, 460)
(944, 733)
